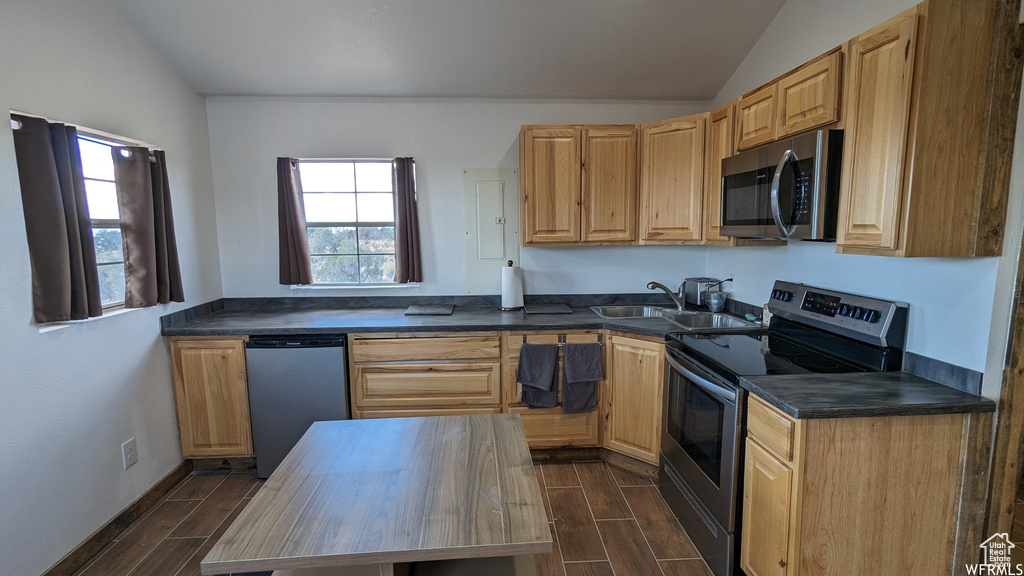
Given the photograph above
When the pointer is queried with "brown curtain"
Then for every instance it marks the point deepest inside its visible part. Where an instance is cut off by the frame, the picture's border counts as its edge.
(408, 264)
(147, 228)
(65, 284)
(295, 267)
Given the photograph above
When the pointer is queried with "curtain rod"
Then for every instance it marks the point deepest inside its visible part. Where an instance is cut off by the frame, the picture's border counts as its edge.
(15, 125)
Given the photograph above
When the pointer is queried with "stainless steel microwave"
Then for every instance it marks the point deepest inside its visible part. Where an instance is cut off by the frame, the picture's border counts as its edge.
(785, 190)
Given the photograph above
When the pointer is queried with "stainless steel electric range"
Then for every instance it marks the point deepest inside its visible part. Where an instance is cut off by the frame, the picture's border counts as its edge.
(812, 330)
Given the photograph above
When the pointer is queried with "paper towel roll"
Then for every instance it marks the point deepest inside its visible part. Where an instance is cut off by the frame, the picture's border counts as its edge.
(511, 288)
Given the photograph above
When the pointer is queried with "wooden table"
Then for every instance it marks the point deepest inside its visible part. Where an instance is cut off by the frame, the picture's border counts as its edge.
(370, 494)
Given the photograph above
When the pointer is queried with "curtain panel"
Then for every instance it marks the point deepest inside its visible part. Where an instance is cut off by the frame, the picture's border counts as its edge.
(294, 264)
(151, 270)
(408, 263)
(65, 283)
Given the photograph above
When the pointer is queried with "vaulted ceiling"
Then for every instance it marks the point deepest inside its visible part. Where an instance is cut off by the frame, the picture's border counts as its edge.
(580, 49)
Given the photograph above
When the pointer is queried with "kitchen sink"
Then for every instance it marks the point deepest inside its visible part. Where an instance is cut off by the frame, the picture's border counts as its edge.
(631, 311)
(709, 321)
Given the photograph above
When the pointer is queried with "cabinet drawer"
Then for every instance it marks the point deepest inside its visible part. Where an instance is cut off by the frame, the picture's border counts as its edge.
(551, 428)
(425, 349)
(770, 427)
(417, 412)
(515, 341)
(427, 385)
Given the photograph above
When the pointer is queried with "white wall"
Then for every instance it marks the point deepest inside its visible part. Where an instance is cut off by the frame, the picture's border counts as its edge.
(445, 136)
(69, 397)
(957, 314)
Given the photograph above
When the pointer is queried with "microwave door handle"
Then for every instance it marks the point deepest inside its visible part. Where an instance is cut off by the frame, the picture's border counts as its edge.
(724, 394)
(776, 181)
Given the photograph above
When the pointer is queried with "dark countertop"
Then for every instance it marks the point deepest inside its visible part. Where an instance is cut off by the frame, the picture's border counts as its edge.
(256, 321)
(862, 394)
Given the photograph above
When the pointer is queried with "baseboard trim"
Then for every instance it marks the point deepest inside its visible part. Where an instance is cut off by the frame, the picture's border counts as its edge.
(239, 463)
(77, 558)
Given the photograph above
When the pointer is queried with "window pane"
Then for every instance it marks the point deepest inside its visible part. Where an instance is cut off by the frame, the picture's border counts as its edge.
(376, 207)
(377, 240)
(335, 269)
(107, 242)
(111, 283)
(376, 269)
(374, 177)
(102, 200)
(326, 240)
(96, 160)
(330, 207)
(326, 177)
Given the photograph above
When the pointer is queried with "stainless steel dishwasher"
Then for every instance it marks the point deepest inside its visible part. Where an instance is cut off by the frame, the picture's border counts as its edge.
(293, 382)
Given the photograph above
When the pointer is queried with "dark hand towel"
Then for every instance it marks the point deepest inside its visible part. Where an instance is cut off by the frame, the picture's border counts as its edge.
(537, 373)
(582, 369)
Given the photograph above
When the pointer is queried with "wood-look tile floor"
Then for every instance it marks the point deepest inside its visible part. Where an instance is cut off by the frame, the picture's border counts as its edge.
(608, 521)
(604, 521)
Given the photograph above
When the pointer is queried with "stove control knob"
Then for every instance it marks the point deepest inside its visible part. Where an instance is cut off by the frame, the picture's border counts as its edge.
(787, 296)
(777, 294)
(858, 313)
(871, 316)
(844, 309)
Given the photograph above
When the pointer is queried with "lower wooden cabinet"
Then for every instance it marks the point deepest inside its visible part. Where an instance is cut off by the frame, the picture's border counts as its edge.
(419, 374)
(547, 427)
(767, 488)
(633, 397)
(211, 393)
(875, 495)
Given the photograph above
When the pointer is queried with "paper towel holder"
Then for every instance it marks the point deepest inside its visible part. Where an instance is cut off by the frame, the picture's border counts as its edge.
(514, 299)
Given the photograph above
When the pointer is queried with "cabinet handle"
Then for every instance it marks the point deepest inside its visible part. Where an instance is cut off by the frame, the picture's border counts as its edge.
(782, 563)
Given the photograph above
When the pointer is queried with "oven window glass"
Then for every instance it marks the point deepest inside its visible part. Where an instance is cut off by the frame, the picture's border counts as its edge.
(745, 199)
(796, 192)
(696, 422)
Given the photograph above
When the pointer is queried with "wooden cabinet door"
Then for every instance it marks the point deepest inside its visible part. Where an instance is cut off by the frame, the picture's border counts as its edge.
(609, 194)
(757, 116)
(672, 180)
(721, 138)
(550, 166)
(212, 396)
(633, 405)
(877, 104)
(767, 490)
(809, 97)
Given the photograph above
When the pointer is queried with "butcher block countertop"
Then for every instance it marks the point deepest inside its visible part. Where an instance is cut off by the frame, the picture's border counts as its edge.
(365, 492)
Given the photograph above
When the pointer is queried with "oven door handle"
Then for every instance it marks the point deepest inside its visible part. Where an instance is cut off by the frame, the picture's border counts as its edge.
(708, 386)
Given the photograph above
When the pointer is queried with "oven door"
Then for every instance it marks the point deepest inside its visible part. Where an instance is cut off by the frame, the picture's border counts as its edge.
(701, 434)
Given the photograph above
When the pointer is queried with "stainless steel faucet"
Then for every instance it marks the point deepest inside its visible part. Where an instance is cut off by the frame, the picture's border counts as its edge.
(677, 298)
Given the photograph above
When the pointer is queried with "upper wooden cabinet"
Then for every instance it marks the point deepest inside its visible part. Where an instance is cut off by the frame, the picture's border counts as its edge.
(609, 184)
(579, 184)
(550, 171)
(757, 117)
(721, 136)
(801, 100)
(211, 393)
(633, 396)
(931, 109)
(672, 180)
(809, 96)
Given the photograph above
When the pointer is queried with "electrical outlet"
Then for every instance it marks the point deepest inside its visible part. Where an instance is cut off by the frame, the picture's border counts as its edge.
(129, 453)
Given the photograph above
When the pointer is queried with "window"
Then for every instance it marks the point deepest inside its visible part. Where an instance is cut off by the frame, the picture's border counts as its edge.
(105, 214)
(350, 220)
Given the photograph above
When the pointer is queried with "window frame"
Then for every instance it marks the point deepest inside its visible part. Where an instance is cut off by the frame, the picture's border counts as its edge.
(94, 223)
(357, 224)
